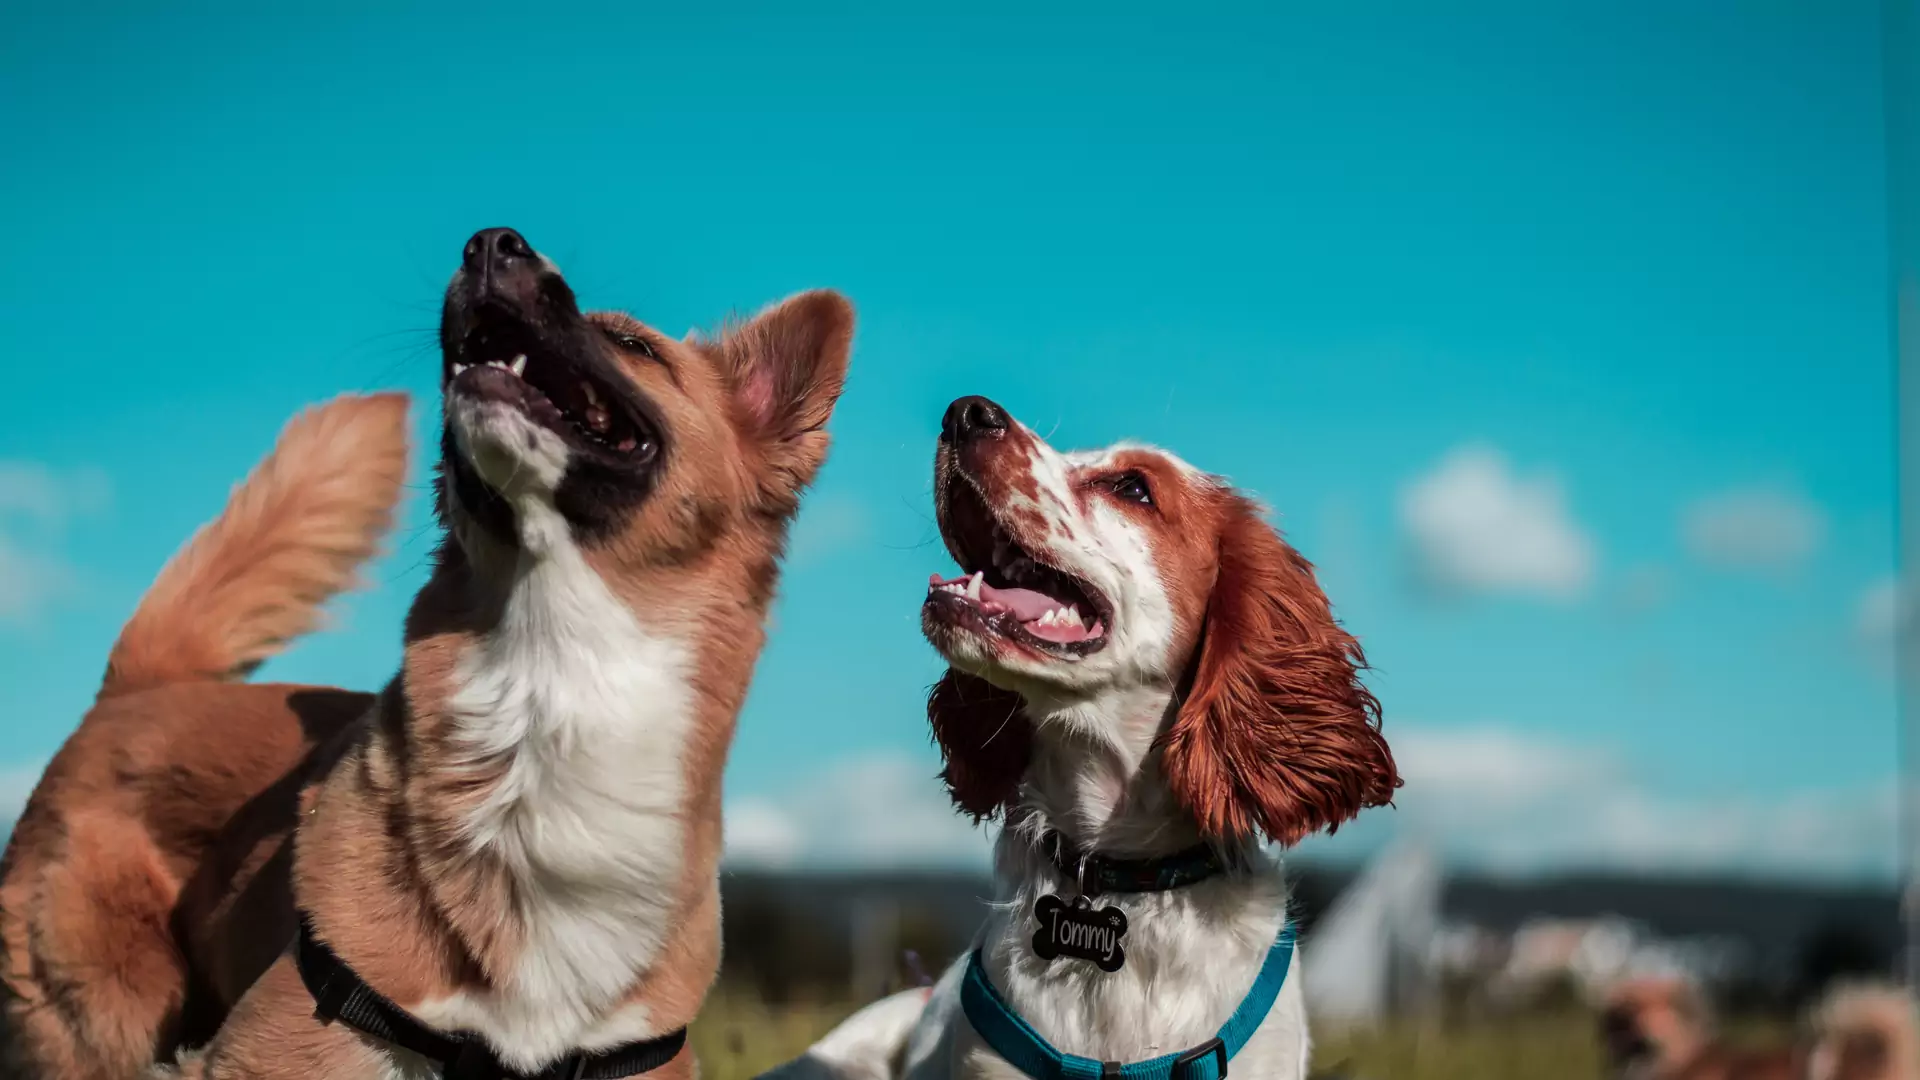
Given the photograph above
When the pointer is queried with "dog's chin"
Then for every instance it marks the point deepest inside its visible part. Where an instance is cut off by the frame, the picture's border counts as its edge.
(514, 482)
(998, 660)
(507, 450)
(504, 471)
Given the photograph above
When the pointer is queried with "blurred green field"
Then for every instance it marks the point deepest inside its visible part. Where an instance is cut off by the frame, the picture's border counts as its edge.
(737, 1037)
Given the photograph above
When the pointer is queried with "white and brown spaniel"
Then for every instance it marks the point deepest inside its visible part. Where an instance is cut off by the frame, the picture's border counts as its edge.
(1146, 686)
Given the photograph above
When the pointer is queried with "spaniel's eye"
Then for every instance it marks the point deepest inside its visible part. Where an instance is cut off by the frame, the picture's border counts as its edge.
(1133, 488)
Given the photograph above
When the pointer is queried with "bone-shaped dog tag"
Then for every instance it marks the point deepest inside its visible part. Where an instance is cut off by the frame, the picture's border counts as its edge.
(1080, 931)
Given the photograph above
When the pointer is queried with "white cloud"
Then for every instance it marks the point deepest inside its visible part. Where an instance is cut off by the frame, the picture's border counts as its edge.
(760, 833)
(1494, 765)
(1759, 528)
(28, 581)
(885, 810)
(1880, 611)
(1487, 796)
(827, 523)
(36, 502)
(1503, 799)
(1477, 526)
(48, 495)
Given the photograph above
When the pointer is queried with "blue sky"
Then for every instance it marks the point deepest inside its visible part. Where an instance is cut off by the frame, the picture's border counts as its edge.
(1556, 334)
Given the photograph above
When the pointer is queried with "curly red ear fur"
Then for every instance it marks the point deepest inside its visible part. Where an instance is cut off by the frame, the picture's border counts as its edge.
(1277, 734)
(985, 738)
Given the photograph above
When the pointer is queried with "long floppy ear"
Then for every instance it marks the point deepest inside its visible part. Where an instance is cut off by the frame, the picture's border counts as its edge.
(1277, 734)
(985, 739)
(786, 367)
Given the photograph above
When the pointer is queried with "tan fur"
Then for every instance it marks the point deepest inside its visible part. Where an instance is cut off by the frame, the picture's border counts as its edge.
(1866, 1032)
(1858, 1031)
(356, 808)
(119, 846)
(384, 861)
(290, 538)
(1661, 1028)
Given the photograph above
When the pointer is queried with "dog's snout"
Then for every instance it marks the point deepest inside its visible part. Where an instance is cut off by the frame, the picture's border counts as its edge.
(498, 268)
(971, 417)
(492, 251)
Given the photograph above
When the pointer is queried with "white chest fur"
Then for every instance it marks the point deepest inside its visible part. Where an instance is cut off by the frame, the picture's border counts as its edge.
(1192, 955)
(589, 711)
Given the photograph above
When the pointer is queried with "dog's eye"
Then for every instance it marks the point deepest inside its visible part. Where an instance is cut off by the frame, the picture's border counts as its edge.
(632, 343)
(1133, 488)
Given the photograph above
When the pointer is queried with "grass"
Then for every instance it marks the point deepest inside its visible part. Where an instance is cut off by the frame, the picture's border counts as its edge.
(738, 1037)
(1556, 1046)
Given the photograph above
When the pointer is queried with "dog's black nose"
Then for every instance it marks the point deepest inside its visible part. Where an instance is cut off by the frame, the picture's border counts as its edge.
(971, 417)
(494, 250)
(500, 269)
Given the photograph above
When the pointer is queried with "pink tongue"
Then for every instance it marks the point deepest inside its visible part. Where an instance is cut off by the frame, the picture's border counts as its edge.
(1025, 604)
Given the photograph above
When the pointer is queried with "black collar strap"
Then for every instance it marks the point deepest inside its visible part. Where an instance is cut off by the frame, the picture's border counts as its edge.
(341, 995)
(1095, 873)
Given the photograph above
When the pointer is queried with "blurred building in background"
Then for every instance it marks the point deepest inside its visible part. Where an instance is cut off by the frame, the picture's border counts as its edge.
(1372, 954)
(1396, 936)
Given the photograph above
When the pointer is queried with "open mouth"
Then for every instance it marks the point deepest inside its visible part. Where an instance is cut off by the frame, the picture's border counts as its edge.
(501, 361)
(1007, 591)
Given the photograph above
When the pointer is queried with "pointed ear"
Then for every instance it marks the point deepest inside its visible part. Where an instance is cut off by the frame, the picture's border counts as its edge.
(786, 367)
(985, 738)
(1277, 735)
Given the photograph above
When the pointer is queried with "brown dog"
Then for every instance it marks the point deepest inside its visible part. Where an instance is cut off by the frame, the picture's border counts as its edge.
(514, 848)
(1865, 1032)
(122, 826)
(1662, 1029)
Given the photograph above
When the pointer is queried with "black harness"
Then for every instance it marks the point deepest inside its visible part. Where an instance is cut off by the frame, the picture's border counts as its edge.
(340, 994)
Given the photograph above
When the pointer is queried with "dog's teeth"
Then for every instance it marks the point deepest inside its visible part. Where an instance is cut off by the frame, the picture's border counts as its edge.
(458, 368)
(973, 585)
(1049, 620)
(587, 389)
(519, 365)
(1071, 616)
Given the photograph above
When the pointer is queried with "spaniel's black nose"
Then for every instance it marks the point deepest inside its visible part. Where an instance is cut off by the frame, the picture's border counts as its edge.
(971, 417)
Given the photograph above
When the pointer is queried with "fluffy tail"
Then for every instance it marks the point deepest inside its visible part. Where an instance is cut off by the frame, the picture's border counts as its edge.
(290, 538)
(1866, 1032)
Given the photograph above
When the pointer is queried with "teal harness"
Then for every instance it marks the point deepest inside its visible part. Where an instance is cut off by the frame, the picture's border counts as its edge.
(1023, 1048)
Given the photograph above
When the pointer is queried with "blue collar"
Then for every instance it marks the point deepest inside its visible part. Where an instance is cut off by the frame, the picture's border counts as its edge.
(1023, 1048)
